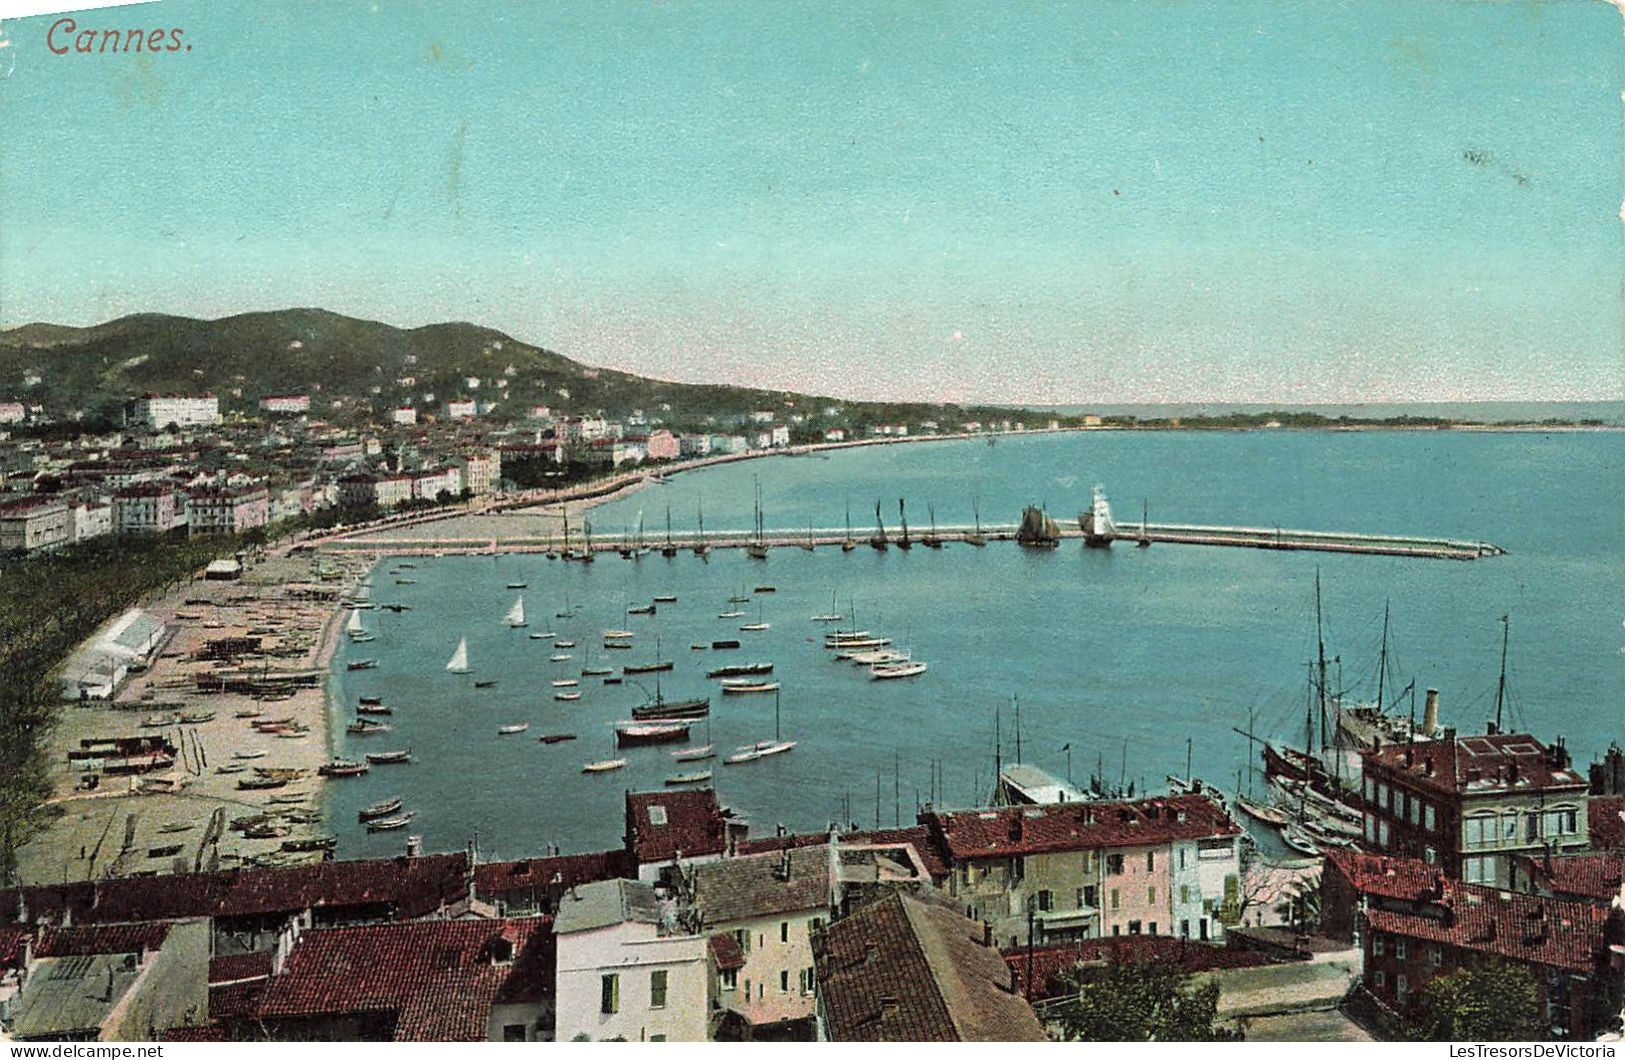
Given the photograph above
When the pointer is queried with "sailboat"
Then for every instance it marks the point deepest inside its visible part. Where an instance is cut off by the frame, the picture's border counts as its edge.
(700, 547)
(639, 548)
(569, 611)
(1037, 529)
(655, 667)
(458, 663)
(758, 625)
(757, 549)
(587, 555)
(515, 617)
(1145, 538)
(565, 512)
(668, 549)
(762, 748)
(978, 538)
(808, 544)
(878, 540)
(931, 540)
(903, 542)
(358, 632)
(662, 709)
(832, 615)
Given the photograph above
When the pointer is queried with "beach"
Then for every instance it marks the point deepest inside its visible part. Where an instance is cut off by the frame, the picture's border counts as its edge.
(194, 815)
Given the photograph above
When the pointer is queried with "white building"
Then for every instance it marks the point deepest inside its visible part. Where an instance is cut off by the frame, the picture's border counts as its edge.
(1200, 870)
(12, 412)
(92, 519)
(728, 444)
(158, 411)
(761, 417)
(461, 409)
(622, 970)
(694, 445)
(403, 416)
(285, 404)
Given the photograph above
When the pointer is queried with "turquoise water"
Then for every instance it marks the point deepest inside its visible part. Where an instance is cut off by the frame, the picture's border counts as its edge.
(1123, 654)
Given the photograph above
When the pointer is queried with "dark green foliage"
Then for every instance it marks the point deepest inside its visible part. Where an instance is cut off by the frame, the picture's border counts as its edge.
(1492, 1003)
(1140, 1001)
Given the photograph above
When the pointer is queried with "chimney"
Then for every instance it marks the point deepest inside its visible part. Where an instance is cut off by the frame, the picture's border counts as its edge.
(784, 864)
(414, 846)
(1489, 728)
(1430, 713)
(987, 933)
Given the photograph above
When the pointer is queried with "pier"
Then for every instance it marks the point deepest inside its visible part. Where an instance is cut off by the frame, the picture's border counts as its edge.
(824, 538)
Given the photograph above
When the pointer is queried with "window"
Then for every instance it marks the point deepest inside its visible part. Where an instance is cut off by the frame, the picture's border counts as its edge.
(1017, 867)
(657, 989)
(1382, 795)
(1202, 928)
(1184, 929)
(806, 980)
(1114, 897)
(1152, 927)
(1117, 929)
(609, 1001)
(761, 939)
(1046, 901)
(1151, 861)
(513, 1032)
(1435, 955)
(1151, 896)
(1401, 987)
(1133, 927)
(730, 979)
(1382, 979)
(1560, 822)
(1181, 857)
(1413, 810)
(1114, 864)
(817, 925)
(1184, 894)
(1478, 870)
(657, 1037)
(743, 938)
(1088, 896)
(784, 982)
(1369, 789)
(1382, 833)
(747, 989)
(1478, 832)
(1370, 829)
(1532, 829)
(1399, 949)
(784, 931)
(761, 991)
(1430, 820)
(657, 815)
(1430, 855)
(1376, 944)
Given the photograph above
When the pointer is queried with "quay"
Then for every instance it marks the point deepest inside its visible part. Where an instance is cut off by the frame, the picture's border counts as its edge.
(1125, 537)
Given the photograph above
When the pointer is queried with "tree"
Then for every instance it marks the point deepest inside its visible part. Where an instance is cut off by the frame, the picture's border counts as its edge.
(1140, 1001)
(1492, 1003)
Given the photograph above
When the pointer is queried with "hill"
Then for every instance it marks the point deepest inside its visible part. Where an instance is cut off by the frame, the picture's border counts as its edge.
(244, 357)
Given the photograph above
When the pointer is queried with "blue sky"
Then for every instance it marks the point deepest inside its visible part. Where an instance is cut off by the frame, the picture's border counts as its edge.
(1109, 201)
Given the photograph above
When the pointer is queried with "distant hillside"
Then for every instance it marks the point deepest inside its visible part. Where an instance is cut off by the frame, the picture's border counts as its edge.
(244, 357)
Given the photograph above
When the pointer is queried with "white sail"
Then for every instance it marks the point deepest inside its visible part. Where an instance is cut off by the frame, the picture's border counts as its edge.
(354, 626)
(516, 613)
(459, 658)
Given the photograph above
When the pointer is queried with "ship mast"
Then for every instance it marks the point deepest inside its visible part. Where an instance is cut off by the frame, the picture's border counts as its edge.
(1382, 658)
(1501, 686)
(1320, 640)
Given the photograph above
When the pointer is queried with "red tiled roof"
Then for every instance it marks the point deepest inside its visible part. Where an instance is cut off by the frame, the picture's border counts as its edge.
(411, 887)
(11, 943)
(1520, 927)
(1505, 761)
(1078, 826)
(1606, 818)
(694, 824)
(1407, 879)
(240, 966)
(439, 978)
(208, 1032)
(726, 953)
(1051, 963)
(236, 1000)
(106, 938)
(918, 836)
(909, 969)
(1594, 876)
(492, 879)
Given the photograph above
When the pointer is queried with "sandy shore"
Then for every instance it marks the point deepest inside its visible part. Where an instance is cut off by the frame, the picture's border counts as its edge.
(125, 826)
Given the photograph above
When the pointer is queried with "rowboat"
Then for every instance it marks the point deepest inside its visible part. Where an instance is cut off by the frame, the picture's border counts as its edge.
(617, 645)
(596, 671)
(509, 730)
(739, 688)
(389, 824)
(735, 613)
(767, 588)
(881, 655)
(558, 737)
(724, 645)
(343, 767)
(362, 664)
(892, 671)
(827, 618)
(694, 754)
(643, 609)
(604, 766)
(248, 713)
(755, 627)
(485, 684)
(637, 734)
(740, 669)
(648, 668)
(566, 682)
(665, 599)
(564, 644)
(246, 755)
(541, 634)
(567, 697)
(373, 708)
(689, 778)
(388, 758)
(1267, 814)
(859, 645)
(261, 783)
(370, 701)
(1300, 841)
(519, 585)
(379, 809)
(562, 656)
(618, 634)
(363, 727)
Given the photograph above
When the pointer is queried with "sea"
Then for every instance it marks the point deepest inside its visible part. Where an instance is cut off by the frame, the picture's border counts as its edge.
(1125, 665)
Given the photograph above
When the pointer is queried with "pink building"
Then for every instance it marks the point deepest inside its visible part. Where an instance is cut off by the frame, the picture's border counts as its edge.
(144, 508)
(285, 404)
(663, 445)
(227, 511)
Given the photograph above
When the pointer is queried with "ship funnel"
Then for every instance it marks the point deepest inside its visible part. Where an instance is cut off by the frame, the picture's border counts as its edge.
(1430, 714)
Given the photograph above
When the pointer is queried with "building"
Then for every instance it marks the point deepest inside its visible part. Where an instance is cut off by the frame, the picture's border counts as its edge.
(95, 669)
(431, 483)
(623, 970)
(911, 969)
(233, 510)
(145, 508)
(117, 983)
(479, 473)
(729, 444)
(1472, 804)
(92, 518)
(1577, 877)
(158, 411)
(461, 409)
(285, 404)
(403, 416)
(535, 886)
(34, 523)
(766, 907)
(762, 417)
(426, 981)
(365, 489)
(667, 828)
(835, 434)
(694, 445)
(663, 445)
(1414, 924)
(1083, 870)
(12, 412)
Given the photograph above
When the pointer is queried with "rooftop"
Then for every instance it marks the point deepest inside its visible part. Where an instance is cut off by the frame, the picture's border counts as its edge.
(72, 996)
(1051, 963)
(1606, 817)
(663, 824)
(1480, 765)
(1078, 826)
(495, 878)
(1592, 876)
(596, 905)
(762, 885)
(908, 969)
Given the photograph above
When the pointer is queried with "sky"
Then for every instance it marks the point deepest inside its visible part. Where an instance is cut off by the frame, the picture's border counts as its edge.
(1163, 200)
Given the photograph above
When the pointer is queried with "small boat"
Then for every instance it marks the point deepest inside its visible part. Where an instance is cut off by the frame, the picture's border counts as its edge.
(635, 734)
(178, 826)
(458, 663)
(688, 778)
(379, 809)
(510, 730)
(665, 599)
(248, 713)
(311, 845)
(389, 824)
(695, 754)
(566, 697)
(755, 627)
(560, 656)
(1259, 811)
(557, 737)
(741, 757)
(658, 666)
(362, 664)
(248, 755)
(230, 769)
(767, 589)
(841, 636)
(374, 708)
(596, 671)
(515, 618)
(485, 684)
(605, 766)
(541, 634)
(405, 581)
(343, 767)
(293, 734)
(519, 585)
(739, 688)
(564, 643)
(261, 783)
(724, 645)
(1299, 840)
(618, 634)
(736, 613)
(290, 799)
(855, 646)
(363, 727)
(644, 609)
(892, 671)
(565, 682)
(870, 658)
(661, 709)
(740, 599)
(698, 646)
(827, 618)
(741, 669)
(370, 701)
(388, 758)
(778, 747)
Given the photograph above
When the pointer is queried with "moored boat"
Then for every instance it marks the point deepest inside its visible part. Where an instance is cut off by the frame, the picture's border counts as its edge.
(695, 754)
(363, 727)
(604, 766)
(892, 671)
(740, 669)
(638, 734)
(567, 697)
(557, 737)
(379, 809)
(688, 778)
(510, 730)
(343, 767)
(744, 687)
(388, 758)
(362, 664)
(374, 707)
(390, 824)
